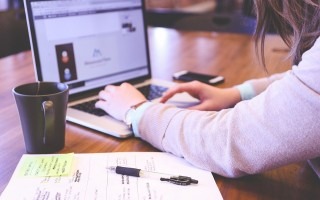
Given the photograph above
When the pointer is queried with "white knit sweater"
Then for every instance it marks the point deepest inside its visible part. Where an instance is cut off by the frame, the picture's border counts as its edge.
(277, 127)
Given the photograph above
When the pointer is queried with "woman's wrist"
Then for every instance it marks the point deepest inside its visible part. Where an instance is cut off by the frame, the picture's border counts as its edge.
(234, 96)
(137, 115)
(246, 91)
(130, 112)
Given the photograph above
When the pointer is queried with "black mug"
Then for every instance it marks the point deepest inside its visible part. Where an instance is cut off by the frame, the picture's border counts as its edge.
(42, 108)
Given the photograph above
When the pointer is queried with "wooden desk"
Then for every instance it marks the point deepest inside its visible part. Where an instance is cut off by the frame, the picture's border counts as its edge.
(230, 55)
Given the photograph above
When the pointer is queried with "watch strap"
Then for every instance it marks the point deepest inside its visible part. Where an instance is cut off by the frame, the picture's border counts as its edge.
(138, 104)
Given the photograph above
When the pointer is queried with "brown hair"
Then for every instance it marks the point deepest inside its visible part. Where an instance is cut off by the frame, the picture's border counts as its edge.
(296, 21)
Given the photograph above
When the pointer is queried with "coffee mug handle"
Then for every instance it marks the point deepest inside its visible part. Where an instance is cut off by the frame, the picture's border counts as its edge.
(47, 108)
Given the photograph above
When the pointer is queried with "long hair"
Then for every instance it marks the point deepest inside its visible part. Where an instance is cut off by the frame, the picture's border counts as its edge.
(296, 21)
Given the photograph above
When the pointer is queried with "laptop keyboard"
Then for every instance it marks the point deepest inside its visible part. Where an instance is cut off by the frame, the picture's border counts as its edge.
(149, 91)
(152, 91)
(89, 107)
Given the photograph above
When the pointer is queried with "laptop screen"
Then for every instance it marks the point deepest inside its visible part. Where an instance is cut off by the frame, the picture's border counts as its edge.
(88, 43)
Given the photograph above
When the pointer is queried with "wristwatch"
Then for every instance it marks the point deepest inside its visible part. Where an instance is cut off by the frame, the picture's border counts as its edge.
(128, 118)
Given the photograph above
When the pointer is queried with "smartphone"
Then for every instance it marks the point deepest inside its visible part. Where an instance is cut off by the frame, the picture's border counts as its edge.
(191, 76)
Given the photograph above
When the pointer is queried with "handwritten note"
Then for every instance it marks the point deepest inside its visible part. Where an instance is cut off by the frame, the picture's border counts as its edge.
(46, 165)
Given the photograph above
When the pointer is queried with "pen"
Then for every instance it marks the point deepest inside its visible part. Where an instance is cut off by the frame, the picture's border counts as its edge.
(178, 180)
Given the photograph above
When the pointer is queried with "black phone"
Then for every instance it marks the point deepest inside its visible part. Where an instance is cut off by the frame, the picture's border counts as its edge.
(191, 76)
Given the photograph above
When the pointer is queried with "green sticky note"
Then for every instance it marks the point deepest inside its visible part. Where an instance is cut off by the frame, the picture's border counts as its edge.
(46, 165)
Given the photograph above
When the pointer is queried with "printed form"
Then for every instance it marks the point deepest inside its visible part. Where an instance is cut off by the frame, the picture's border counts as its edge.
(85, 176)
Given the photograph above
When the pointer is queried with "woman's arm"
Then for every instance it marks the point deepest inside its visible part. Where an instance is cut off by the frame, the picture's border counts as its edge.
(277, 127)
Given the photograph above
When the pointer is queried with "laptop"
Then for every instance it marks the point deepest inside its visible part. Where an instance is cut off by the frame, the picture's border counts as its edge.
(89, 44)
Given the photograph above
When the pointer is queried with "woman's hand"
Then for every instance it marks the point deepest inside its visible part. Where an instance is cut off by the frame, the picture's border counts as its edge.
(116, 100)
(211, 98)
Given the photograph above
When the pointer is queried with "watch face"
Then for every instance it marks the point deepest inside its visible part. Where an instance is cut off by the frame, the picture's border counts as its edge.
(128, 117)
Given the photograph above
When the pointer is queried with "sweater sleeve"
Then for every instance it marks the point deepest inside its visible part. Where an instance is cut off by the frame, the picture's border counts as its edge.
(252, 88)
(277, 127)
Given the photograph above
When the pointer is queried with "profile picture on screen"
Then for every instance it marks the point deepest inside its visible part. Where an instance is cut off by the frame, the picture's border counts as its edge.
(66, 62)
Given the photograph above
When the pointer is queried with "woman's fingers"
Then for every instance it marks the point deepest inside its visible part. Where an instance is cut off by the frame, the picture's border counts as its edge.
(191, 87)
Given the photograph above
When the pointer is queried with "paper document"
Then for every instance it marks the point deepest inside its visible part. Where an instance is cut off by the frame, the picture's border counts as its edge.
(85, 176)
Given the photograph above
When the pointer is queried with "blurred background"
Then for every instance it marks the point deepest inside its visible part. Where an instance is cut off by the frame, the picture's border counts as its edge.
(13, 28)
(206, 15)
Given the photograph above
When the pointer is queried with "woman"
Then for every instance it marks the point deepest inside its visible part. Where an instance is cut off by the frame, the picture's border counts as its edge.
(256, 126)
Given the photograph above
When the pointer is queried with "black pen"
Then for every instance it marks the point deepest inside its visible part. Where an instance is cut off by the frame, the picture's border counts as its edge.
(178, 180)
